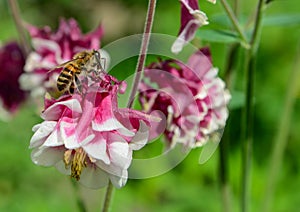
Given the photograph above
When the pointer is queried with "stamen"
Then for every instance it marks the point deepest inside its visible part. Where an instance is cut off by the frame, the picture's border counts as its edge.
(78, 162)
(67, 157)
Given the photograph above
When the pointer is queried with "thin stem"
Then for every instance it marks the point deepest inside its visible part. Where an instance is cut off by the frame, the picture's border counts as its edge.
(223, 152)
(79, 201)
(235, 22)
(223, 172)
(138, 71)
(248, 116)
(108, 197)
(236, 7)
(18, 22)
(281, 138)
(143, 50)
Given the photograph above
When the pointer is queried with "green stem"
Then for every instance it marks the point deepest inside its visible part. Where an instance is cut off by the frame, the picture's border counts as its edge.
(236, 7)
(248, 116)
(143, 50)
(235, 23)
(281, 138)
(223, 152)
(108, 197)
(79, 201)
(18, 22)
(223, 171)
(138, 72)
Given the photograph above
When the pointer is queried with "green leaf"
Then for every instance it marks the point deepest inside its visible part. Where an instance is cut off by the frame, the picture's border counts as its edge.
(282, 20)
(219, 36)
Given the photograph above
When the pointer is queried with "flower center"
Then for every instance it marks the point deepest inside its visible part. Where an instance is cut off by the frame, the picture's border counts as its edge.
(77, 161)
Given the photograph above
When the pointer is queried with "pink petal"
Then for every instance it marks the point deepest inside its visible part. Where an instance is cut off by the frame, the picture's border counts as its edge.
(199, 63)
(69, 135)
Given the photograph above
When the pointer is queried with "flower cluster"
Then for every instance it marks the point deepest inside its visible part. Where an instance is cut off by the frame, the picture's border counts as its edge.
(88, 137)
(52, 49)
(191, 96)
(12, 63)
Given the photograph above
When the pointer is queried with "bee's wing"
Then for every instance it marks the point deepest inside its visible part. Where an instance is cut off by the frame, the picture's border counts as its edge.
(62, 65)
(210, 147)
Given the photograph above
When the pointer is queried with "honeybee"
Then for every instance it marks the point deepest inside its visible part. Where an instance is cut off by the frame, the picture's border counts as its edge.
(68, 77)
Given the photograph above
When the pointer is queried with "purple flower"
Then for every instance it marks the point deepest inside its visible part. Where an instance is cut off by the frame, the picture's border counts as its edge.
(52, 49)
(12, 62)
(88, 137)
(192, 97)
(191, 19)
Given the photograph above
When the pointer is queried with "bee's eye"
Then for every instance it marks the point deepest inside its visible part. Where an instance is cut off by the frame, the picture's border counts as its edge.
(97, 54)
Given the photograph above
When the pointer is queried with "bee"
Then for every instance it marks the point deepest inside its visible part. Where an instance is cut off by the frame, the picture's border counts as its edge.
(68, 77)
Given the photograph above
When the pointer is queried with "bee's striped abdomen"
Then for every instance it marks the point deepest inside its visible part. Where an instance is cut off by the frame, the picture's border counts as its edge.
(66, 77)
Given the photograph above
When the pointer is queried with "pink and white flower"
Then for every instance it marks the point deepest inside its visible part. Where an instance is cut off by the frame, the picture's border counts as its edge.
(191, 19)
(52, 49)
(191, 96)
(12, 62)
(88, 137)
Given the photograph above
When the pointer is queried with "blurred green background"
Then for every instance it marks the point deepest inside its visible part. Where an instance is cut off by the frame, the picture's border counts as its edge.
(189, 186)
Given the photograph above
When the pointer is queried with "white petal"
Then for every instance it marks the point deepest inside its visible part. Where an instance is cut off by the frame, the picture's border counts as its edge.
(120, 154)
(201, 17)
(32, 61)
(48, 44)
(212, 1)
(31, 81)
(53, 111)
(112, 124)
(42, 131)
(36, 127)
(53, 140)
(70, 140)
(61, 167)
(97, 149)
(46, 156)
(117, 175)
(119, 181)
(111, 169)
(93, 177)
(141, 137)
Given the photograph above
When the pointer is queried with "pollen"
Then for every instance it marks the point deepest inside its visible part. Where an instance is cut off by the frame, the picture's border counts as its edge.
(77, 159)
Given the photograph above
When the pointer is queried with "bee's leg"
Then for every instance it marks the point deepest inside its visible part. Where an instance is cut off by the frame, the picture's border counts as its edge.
(78, 84)
(104, 63)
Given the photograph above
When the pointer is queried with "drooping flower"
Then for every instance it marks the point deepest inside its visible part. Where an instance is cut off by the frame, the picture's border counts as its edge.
(12, 63)
(191, 19)
(191, 96)
(88, 137)
(52, 49)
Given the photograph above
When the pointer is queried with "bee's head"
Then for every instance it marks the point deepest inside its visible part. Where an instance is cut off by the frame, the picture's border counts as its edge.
(97, 55)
